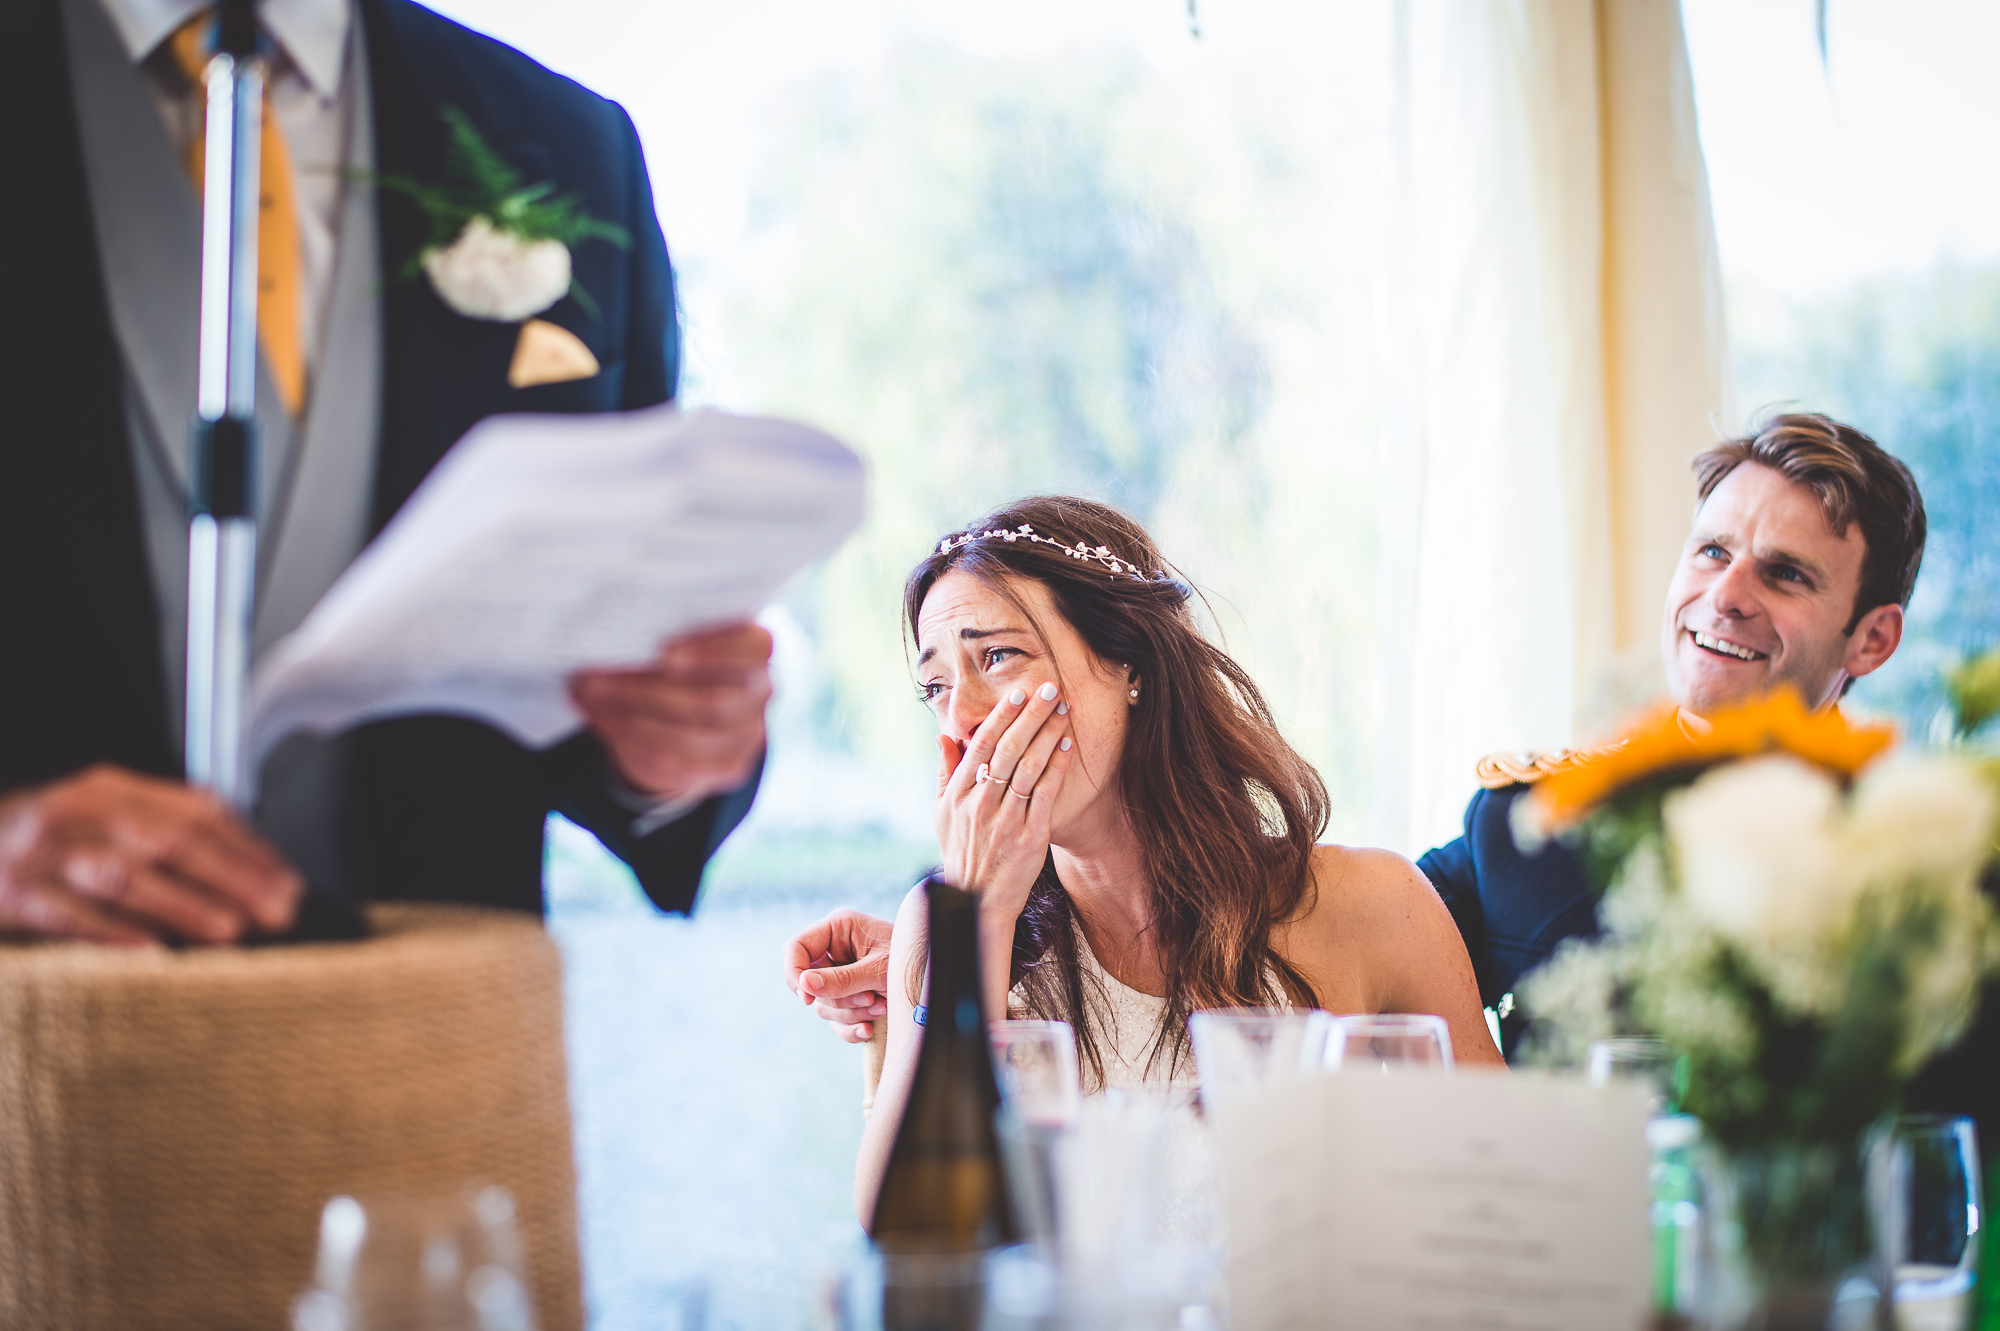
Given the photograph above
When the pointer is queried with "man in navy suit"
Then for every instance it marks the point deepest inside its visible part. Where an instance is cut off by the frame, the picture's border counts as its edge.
(1803, 554)
(98, 836)
(1805, 546)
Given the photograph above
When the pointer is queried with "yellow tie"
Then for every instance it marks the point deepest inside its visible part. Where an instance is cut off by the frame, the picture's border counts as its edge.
(280, 275)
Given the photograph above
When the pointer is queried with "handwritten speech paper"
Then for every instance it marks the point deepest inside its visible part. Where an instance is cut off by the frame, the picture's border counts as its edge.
(1437, 1203)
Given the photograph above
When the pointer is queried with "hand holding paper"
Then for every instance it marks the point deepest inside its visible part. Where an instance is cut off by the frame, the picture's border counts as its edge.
(691, 724)
(545, 545)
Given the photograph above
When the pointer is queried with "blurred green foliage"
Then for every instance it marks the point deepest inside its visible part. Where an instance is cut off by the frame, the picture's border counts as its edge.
(997, 278)
(1973, 688)
(1915, 362)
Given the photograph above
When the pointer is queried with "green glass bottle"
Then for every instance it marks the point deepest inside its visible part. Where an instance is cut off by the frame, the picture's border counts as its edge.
(944, 1197)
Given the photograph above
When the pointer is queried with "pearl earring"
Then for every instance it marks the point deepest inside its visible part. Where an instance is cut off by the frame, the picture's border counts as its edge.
(1135, 693)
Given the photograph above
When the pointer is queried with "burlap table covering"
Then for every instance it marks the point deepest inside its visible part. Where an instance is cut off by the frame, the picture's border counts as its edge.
(172, 1123)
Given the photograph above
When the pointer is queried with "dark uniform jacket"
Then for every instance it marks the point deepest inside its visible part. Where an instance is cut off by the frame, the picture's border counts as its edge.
(435, 807)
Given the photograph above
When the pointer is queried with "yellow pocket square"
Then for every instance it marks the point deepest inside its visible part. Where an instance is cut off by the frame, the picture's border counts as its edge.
(549, 354)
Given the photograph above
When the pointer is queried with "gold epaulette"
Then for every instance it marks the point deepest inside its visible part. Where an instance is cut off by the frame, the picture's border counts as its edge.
(1499, 770)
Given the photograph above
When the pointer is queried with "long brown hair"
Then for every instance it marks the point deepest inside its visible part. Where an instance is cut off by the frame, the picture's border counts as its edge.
(1226, 812)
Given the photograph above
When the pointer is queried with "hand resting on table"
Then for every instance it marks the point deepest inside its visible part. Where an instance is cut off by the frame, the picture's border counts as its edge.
(117, 857)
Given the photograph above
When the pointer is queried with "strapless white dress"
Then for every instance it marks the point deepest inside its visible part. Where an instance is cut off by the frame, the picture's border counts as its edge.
(1185, 1177)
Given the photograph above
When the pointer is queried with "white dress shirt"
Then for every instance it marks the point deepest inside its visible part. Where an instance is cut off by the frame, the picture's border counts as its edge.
(308, 97)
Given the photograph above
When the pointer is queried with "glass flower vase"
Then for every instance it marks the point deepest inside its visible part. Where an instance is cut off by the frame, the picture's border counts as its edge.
(1790, 1246)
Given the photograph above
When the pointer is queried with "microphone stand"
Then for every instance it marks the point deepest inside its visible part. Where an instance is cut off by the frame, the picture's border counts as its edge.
(222, 522)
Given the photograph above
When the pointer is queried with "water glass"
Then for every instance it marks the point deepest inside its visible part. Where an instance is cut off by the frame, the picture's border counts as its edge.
(1644, 1059)
(443, 1262)
(1035, 1062)
(1032, 1153)
(1239, 1049)
(1162, 1286)
(1927, 1206)
(908, 1292)
(1389, 1042)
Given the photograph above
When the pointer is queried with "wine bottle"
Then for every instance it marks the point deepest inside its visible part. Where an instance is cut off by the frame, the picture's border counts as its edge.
(944, 1195)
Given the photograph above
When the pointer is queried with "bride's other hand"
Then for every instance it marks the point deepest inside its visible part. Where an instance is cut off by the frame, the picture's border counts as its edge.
(996, 794)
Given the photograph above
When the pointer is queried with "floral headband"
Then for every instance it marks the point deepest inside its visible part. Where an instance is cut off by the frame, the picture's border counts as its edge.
(1081, 550)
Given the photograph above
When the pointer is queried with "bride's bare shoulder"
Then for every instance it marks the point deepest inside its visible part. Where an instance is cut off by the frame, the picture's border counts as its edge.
(1361, 895)
(1362, 879)
(1376, 937)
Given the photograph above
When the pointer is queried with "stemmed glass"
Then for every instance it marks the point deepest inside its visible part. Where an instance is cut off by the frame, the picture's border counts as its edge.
(1238, 1049)
(442, 1262)
(1041, 1096)
(1389, 1042)
(1035, 1063)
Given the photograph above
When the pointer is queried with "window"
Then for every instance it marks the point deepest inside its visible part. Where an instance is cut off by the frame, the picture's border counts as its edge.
(1860, 242)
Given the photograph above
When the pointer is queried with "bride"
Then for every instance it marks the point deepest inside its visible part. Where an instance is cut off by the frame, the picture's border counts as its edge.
(1141, 837)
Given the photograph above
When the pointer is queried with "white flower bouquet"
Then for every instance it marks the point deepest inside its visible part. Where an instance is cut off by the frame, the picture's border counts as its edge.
(1801, 918)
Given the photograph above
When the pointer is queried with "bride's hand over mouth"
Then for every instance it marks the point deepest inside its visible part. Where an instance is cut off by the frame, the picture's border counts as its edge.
(996, 795)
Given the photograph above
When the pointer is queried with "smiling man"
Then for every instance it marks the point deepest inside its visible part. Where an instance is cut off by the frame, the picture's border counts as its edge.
(1804, 550)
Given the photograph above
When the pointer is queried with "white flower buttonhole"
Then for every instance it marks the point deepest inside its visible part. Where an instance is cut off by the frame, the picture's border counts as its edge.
(488, 273)
(499, 247)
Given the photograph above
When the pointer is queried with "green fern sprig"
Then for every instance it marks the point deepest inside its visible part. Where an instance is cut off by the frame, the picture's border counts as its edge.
(479, 182)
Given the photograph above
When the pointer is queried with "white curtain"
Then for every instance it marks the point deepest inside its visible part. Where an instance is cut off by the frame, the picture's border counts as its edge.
(1558, 340)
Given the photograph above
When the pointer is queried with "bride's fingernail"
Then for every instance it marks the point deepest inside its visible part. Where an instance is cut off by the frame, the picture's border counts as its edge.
(1064, 746)
(1017, 697)
(1048, 692)
(1062, 709)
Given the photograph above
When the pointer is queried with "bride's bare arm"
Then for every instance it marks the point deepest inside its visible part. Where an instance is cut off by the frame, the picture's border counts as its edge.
(907, 950)
(1377, 938)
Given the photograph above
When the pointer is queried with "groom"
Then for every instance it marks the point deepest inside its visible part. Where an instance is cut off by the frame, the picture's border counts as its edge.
(1805, 547)
(1806, 542)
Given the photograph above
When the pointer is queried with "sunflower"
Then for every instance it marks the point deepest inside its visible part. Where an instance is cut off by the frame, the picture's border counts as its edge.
(1663, 741)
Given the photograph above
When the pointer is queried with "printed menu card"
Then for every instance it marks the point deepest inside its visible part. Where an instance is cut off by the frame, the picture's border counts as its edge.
(1437, 1202)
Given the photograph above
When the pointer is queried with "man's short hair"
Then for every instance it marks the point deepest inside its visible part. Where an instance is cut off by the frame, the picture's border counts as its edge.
(1856, 481)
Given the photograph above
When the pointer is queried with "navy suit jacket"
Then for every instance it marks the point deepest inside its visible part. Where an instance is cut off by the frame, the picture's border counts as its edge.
(1513, 910)
(435, 807)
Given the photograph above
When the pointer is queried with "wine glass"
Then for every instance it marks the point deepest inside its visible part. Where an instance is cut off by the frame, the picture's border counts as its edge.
(1035, 1063)
(443, 1262)
(1238, 1049)
(1389, 1042)
(1645, 1059)
(1927, 1207)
